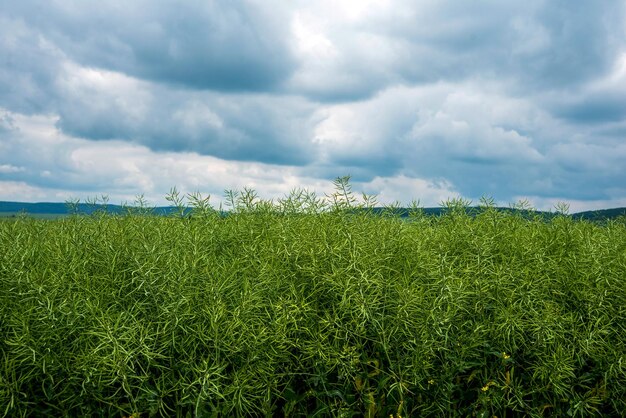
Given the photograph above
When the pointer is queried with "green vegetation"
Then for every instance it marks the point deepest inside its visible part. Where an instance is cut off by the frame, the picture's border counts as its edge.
(305, 307)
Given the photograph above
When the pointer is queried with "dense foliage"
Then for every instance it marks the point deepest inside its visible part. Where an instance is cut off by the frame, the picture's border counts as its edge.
(304, 308)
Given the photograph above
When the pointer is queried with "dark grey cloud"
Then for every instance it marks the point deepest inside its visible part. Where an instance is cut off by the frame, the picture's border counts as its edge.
(227, 46)
(594, 108)
(266, 129)
(615, 133)
(585, 37)
(29, 65)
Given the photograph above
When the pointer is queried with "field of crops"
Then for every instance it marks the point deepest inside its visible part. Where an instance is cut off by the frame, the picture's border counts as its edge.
(298, 308)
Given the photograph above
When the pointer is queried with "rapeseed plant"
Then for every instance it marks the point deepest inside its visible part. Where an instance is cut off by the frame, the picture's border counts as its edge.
(312, 306)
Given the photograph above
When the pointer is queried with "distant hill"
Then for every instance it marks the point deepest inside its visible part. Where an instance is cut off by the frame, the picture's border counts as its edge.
(600, 215)
(52, 210)
(61, 209)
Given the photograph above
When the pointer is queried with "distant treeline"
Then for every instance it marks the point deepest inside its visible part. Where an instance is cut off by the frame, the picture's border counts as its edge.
(62, 209)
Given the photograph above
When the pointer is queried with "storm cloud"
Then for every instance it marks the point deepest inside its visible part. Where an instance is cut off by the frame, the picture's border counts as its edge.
(226, 46)
(429, 98)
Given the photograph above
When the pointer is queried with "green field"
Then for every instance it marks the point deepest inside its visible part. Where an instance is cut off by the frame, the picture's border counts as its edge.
(302, 307)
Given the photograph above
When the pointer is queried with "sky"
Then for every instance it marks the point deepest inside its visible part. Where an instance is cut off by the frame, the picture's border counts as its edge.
(423, 100)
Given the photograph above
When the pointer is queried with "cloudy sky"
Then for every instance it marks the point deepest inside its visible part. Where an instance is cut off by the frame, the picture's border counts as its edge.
(422, 99)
